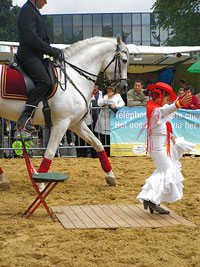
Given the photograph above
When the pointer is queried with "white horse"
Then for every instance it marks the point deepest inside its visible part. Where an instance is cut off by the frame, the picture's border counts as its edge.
(69, 106)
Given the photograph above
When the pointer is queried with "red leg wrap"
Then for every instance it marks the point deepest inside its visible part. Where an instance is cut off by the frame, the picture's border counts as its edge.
(45, 165)
(1, 171)
(105, 164)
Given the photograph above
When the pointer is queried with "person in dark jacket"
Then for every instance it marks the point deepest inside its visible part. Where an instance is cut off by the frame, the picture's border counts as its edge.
(33, 44)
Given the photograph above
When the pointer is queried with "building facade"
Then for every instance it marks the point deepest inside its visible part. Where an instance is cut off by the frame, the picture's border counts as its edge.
(134, 28)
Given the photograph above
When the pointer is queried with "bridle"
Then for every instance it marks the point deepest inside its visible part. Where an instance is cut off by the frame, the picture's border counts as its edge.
(114, 82)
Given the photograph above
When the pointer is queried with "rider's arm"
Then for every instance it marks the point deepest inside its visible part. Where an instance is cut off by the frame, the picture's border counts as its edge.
(28, 28)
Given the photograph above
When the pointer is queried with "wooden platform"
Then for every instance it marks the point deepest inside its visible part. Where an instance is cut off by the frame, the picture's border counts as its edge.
(114, 216)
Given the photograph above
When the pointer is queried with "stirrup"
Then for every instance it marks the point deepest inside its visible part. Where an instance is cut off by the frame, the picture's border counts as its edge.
(27, 126)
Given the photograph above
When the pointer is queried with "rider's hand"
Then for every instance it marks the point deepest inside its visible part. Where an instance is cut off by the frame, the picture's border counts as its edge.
(55, 52)
(186, 99)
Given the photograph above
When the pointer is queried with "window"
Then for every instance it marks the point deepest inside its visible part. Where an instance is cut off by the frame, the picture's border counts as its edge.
(117, 19)
(97, 31)
(77, 34)
(87, 32)
(126, 19)
(137, 28)
(57, 29)
(67, 20)
(67, 29)
(107, 19)
(126, 36)
(117, 30)
(49, 25)
(87, 20)
(77, 20)
(107, 31)
(145, 19)
(136, 31)
(145, 33)
(67, 35)
(136, 19)
(97, 20)
(155, 36)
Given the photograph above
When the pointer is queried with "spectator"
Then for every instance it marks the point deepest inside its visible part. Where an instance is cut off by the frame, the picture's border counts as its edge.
(198, 96)
(95, 96)
(182, 83)
(136, 97)
(113, 102)
(90, 120)
(195, 102)
(180, 92)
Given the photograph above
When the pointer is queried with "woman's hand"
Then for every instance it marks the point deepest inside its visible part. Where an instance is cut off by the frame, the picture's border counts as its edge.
(186, 99)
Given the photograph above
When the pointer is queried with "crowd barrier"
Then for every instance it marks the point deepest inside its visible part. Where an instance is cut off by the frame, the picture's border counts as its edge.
(125, 128)
(70, 146)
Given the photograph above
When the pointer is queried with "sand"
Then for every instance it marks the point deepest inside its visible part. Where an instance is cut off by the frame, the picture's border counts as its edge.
(37, 241)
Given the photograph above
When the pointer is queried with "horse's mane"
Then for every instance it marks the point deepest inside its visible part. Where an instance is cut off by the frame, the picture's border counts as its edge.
(80, 45)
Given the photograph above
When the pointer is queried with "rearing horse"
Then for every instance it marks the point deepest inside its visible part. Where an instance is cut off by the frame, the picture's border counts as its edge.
(82, 62)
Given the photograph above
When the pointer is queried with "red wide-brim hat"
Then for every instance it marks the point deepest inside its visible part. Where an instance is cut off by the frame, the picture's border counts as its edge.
(165, 87)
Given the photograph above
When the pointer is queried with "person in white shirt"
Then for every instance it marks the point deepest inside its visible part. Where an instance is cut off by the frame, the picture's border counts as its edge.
(113, 102)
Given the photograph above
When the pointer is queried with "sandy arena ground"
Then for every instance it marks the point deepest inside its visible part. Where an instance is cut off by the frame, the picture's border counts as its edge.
(38, 242)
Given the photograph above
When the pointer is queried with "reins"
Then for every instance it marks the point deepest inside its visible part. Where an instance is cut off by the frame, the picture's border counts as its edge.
(115, 82)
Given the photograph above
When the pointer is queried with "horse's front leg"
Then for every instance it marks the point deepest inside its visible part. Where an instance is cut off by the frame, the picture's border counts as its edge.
(56, 135)
(86, 134)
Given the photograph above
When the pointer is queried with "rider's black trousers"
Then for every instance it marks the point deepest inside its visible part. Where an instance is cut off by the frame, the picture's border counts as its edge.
(36, 70)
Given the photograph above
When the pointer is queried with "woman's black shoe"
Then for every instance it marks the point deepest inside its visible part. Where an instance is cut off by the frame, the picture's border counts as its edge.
(153, 207)
(146, 204)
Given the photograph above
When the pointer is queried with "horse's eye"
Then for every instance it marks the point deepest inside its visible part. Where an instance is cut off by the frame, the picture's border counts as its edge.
(124, 61)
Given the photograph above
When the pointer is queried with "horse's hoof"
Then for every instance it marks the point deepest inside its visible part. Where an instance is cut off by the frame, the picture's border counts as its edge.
(110, 179)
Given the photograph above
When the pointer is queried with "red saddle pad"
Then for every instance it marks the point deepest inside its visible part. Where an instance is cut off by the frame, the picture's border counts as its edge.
(13, 85)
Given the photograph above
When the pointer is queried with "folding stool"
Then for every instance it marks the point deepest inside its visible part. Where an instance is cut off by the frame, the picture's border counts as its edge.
(51, 180)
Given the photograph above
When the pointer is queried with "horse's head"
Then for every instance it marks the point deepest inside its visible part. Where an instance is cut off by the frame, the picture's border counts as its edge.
(116, 64)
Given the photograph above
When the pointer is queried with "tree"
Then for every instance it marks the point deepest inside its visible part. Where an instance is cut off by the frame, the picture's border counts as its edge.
(8, 21)
(182, 18)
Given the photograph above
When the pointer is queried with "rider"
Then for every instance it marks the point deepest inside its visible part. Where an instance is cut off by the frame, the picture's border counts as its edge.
(34, 42)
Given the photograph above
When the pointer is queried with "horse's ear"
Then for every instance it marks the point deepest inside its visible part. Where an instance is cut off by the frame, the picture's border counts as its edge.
(119, 40)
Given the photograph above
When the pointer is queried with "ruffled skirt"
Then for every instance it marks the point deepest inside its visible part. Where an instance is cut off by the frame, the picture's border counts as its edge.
(165, 184)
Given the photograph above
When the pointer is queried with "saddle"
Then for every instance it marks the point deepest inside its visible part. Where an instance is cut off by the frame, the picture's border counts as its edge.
(29, 83)
(14, 74)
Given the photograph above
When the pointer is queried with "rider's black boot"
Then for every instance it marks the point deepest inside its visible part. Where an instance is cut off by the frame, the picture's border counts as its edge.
(24, 119)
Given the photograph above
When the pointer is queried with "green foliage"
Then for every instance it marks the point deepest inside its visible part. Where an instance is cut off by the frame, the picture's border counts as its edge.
(8, 21)
(183, 17)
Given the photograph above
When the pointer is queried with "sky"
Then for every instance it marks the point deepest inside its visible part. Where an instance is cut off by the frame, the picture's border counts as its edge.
(93, 6)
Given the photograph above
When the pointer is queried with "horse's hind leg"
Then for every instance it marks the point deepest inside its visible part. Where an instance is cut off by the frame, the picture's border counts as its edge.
(86, 134)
